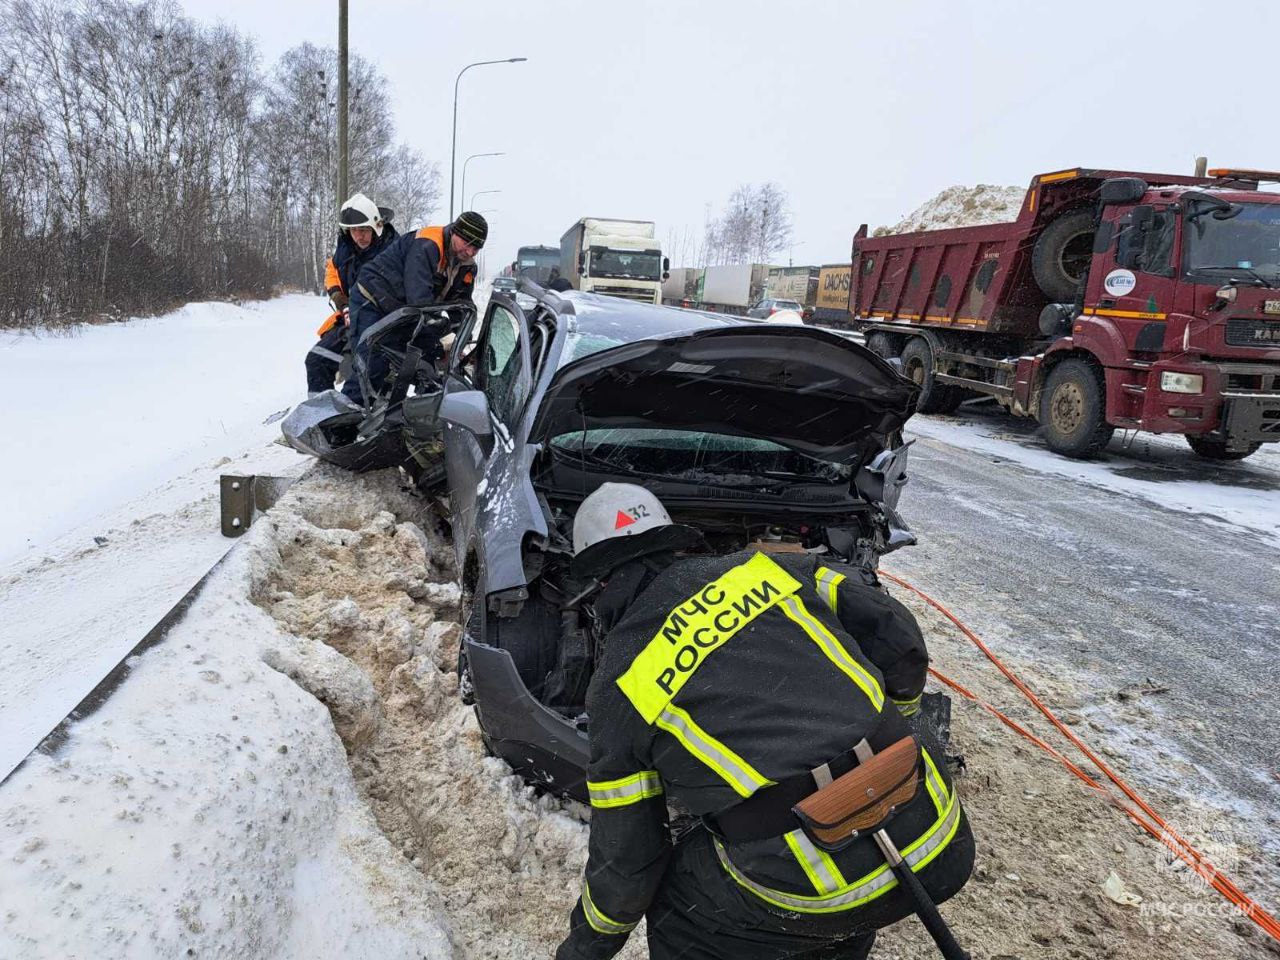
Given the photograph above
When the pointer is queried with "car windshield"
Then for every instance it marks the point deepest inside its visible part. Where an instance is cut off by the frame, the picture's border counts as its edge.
(1250, 240)
(786, 305)
(694, 457)
(630, 264)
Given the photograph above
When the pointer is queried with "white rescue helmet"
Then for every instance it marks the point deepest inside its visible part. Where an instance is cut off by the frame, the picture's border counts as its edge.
(619, 522)
(360, 211)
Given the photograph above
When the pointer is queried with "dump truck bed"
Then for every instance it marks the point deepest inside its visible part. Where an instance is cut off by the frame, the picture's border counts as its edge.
(974, 278)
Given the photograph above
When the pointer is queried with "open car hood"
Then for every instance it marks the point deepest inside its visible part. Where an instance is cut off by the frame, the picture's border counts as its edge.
(807, 389)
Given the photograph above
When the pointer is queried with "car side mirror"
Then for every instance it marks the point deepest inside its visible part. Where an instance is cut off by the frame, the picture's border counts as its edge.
(468, 409)
(666, 264)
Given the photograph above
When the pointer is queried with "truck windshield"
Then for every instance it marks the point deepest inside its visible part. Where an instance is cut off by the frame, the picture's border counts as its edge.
(630, 264)
(1248, 241)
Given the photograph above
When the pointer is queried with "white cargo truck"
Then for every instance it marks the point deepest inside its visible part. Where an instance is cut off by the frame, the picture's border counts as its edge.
(620, 258)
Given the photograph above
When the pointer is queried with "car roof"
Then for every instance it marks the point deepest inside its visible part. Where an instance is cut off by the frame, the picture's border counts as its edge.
(627, 321)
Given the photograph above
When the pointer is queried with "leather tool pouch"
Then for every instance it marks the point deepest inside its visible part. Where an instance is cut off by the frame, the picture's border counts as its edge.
(864, 799)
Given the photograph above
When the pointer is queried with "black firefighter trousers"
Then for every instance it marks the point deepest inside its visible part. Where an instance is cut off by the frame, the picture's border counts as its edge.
(701, 914)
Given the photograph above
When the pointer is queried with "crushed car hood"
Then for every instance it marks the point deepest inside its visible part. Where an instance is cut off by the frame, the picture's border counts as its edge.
(807, 389)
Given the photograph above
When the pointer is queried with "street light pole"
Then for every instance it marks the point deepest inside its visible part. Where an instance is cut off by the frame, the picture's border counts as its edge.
(453, 148)
(463, 192)
(342, 102)
(479, 193)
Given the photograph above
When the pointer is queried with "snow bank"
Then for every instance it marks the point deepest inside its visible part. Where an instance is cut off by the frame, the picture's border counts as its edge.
(112, 411)
(207, 809)
(963, 207)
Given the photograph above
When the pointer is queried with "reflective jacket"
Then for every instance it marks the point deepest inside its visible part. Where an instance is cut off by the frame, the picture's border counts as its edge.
(723, 677)
(341, 268)
(415, 271)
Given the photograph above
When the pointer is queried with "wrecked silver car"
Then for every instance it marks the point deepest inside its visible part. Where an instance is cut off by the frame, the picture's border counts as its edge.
(782, 438)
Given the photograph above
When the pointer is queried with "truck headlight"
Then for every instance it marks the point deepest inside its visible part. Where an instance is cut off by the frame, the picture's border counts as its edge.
(1181, 382)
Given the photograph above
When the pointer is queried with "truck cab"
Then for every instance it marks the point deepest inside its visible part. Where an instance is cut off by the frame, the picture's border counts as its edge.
(619, 258)
(1181, 307)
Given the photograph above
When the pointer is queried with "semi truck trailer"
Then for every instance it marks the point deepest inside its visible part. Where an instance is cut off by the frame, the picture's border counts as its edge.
(1116, 300)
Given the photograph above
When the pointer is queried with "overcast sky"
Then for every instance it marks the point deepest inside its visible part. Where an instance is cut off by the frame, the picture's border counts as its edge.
(861, 111)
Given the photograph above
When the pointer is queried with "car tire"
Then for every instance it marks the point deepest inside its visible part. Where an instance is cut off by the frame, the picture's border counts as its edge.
(1217, 449)
(1060, 258)
(531, 637)
(1073, 409)
(917, 365)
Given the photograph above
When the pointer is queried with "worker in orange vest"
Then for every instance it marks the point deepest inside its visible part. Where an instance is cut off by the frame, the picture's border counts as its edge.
(428, 266)
(364, 231)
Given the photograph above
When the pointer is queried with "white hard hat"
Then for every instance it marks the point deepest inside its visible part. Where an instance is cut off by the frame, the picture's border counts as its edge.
(619, 522)
(360, 211)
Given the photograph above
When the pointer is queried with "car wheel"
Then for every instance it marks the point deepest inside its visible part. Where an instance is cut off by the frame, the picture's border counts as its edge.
(1073, 410)
(1217, 449)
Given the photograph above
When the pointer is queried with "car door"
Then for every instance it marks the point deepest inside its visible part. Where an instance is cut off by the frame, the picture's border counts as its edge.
(497, 364)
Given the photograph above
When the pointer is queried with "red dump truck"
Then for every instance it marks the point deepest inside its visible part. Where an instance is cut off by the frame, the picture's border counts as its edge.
(1116, 300)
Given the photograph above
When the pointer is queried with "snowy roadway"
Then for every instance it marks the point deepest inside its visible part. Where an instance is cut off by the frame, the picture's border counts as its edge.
(1149, 568)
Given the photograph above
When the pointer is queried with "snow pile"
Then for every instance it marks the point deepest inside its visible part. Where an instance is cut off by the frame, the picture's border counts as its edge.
(370, 591)
(207, 810)
(962, 207)
(209, 807)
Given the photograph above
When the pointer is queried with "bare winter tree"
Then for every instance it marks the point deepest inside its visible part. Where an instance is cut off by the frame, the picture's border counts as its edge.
(754, 225)
(146, 161)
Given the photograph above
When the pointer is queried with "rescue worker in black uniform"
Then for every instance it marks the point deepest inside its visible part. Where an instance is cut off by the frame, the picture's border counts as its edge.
(428, 266)
(364, 231)
(731, 688)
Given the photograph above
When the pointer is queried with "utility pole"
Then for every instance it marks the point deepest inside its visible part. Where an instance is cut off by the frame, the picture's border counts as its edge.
(342, 102)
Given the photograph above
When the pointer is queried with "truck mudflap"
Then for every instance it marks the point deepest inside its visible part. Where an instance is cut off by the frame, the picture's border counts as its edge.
(538, 743)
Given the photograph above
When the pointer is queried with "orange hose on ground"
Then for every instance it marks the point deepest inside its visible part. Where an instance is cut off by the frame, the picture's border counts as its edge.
(1152, 822)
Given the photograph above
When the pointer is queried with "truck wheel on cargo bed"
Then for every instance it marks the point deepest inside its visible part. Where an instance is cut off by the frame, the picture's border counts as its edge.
(1073, 410)
(1060, 259)
(1217, 449)
(880, 344)
(917, 364)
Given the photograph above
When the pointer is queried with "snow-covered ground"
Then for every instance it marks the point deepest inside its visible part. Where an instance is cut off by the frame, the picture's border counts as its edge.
(110, 505)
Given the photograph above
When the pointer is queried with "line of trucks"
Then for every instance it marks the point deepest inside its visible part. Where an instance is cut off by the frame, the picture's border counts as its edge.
(1117, 300)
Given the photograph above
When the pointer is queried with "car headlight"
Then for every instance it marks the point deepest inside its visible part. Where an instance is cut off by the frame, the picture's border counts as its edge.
(1181, 382)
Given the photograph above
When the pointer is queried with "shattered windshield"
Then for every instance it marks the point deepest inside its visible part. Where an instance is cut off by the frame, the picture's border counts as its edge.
(628, 264)
(694, 457)
(1250, 240)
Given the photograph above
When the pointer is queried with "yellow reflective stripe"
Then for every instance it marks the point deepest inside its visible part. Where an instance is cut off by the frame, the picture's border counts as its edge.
(909, 708)
(601, 923)
(818, 866)
(627, 790)
(933, 781)
(735, 771)
(795, 609)
(704, 622)
(875, 884)
(830, 582)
